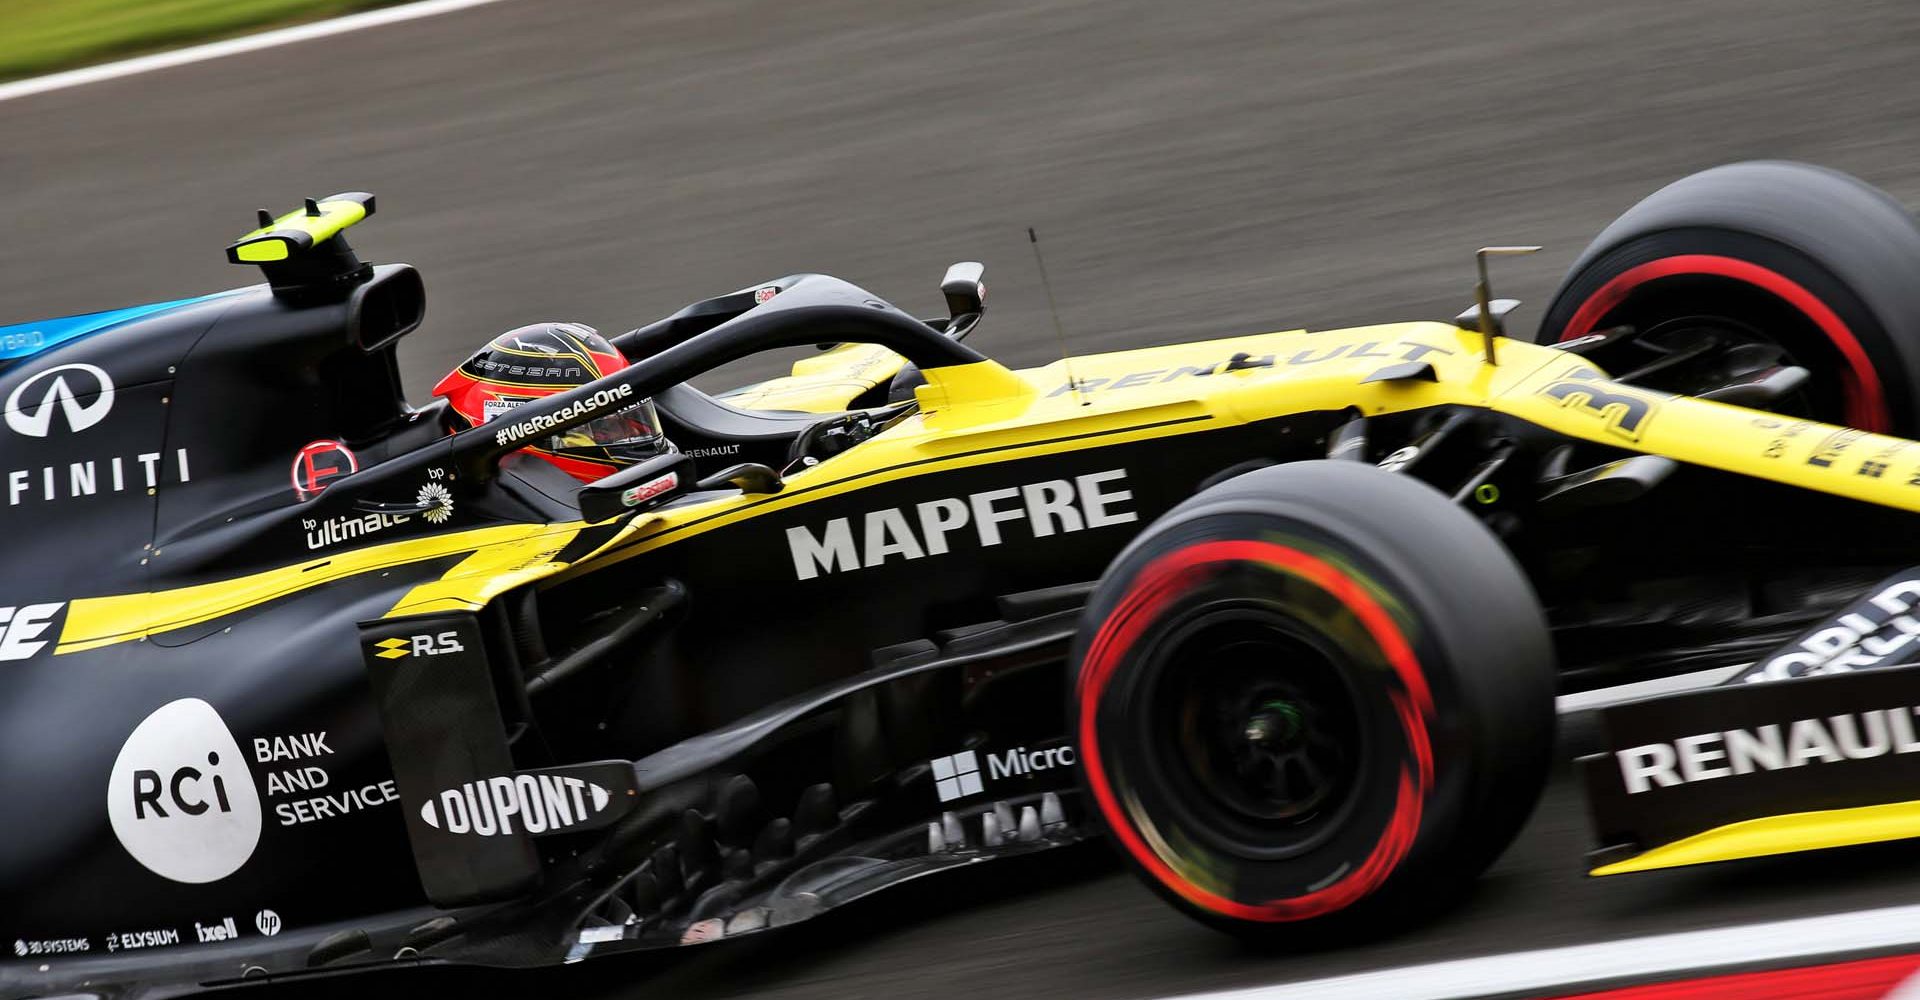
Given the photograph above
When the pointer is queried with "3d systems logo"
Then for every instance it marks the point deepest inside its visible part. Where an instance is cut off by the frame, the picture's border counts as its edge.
(956, 777)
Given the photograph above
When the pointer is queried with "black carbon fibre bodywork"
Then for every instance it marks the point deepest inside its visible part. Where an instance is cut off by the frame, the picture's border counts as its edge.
(424, 712)
(782, 763)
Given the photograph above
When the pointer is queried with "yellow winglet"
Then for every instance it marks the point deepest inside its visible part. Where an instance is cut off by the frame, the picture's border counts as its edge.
(1793, 832)
(300, 230)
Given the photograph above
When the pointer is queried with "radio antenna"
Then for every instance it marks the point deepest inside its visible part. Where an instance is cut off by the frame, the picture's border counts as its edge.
(1489, 315)
(1059, 332)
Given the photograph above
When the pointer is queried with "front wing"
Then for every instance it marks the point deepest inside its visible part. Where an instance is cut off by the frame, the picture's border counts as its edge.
(1756, 768)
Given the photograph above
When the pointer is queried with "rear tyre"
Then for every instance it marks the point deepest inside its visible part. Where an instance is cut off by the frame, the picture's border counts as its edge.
(1777, 263)
(1313, 700)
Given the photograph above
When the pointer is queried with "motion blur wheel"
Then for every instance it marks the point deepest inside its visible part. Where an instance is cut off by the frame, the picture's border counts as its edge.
(1267, 736)
(1313, 701)
(1741, 268)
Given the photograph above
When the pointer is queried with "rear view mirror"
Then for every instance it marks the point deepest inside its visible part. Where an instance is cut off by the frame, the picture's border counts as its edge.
(637, 488)
(965, 293)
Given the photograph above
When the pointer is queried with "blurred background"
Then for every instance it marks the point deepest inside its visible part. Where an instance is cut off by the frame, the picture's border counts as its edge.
(1199, 168)
(1195, 169)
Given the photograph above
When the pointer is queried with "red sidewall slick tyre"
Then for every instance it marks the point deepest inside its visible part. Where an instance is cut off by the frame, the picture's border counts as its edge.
(1312, 697)
(1817, 262)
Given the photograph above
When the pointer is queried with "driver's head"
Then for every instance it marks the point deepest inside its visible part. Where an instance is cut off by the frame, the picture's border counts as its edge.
(542, 360)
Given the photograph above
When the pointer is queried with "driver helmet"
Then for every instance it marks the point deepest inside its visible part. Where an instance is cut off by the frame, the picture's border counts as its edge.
(545, 359)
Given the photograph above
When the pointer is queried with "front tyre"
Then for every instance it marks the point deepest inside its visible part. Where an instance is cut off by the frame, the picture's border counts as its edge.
(1737, 269)
(1312, 698)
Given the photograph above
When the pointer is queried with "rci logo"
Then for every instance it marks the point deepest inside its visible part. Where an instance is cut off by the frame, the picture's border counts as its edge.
(34, 417)
(1622, 411)
(419, 645)
(180, 797)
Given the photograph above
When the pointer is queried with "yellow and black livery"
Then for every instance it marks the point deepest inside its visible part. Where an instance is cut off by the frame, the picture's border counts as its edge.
(466, 708)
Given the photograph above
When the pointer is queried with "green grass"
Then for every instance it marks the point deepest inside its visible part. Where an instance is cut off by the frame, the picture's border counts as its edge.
(41, 36)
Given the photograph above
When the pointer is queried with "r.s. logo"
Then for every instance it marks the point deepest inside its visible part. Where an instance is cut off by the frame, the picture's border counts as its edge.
(1623, 411)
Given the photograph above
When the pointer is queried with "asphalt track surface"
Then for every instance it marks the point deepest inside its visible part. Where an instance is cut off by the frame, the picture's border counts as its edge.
(1195, 168)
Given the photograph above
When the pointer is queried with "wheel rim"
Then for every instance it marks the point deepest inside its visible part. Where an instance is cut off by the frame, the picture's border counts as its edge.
(1155, 594)
(1269, 743)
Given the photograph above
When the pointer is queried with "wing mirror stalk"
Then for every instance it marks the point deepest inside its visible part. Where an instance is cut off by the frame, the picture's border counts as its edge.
(747, 477)
(641, 488)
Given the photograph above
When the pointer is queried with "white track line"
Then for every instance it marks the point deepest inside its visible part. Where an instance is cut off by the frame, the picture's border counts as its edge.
(1571, 968)
(233, 46)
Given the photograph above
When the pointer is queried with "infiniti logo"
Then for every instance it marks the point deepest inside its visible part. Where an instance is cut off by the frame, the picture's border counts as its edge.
(34, 416)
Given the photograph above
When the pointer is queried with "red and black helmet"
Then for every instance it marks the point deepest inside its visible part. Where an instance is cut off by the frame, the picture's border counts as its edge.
(544, 359)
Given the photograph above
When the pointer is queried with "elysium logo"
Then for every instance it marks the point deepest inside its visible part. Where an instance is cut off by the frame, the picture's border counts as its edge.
(32, 404)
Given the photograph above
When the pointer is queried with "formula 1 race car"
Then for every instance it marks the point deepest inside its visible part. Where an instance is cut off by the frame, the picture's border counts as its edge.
(1283, 614)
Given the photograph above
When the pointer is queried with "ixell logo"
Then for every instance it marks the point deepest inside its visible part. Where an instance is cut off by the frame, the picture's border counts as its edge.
(222, 930)
(32, 404)
(181, 799)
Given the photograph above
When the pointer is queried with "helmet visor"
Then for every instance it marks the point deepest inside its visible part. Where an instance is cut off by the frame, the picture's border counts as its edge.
(635, 428)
